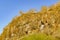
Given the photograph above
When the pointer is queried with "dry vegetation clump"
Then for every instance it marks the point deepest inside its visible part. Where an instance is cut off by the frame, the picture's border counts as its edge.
(46, 21)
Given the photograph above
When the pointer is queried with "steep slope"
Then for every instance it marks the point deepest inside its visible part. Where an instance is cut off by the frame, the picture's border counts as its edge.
(46, 21)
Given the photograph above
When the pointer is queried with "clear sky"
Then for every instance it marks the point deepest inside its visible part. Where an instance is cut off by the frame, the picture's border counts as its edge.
(11, 8)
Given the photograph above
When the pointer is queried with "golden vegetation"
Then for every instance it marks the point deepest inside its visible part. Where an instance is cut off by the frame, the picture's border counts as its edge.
(46, 21)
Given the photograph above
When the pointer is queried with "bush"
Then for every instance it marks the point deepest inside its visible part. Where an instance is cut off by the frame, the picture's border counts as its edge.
(39, 36)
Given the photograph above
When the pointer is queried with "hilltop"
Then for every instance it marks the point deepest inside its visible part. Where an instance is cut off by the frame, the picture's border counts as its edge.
(31, 25)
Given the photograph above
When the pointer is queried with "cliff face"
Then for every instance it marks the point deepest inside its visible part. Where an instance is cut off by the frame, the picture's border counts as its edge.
(46, 21)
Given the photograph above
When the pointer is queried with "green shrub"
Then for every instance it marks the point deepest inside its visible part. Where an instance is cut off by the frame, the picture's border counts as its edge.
(38, 36)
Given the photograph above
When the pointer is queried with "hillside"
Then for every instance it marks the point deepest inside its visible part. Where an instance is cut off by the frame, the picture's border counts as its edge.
(31, 25)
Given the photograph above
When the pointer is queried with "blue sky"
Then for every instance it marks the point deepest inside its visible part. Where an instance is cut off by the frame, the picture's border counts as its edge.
(11, 8)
